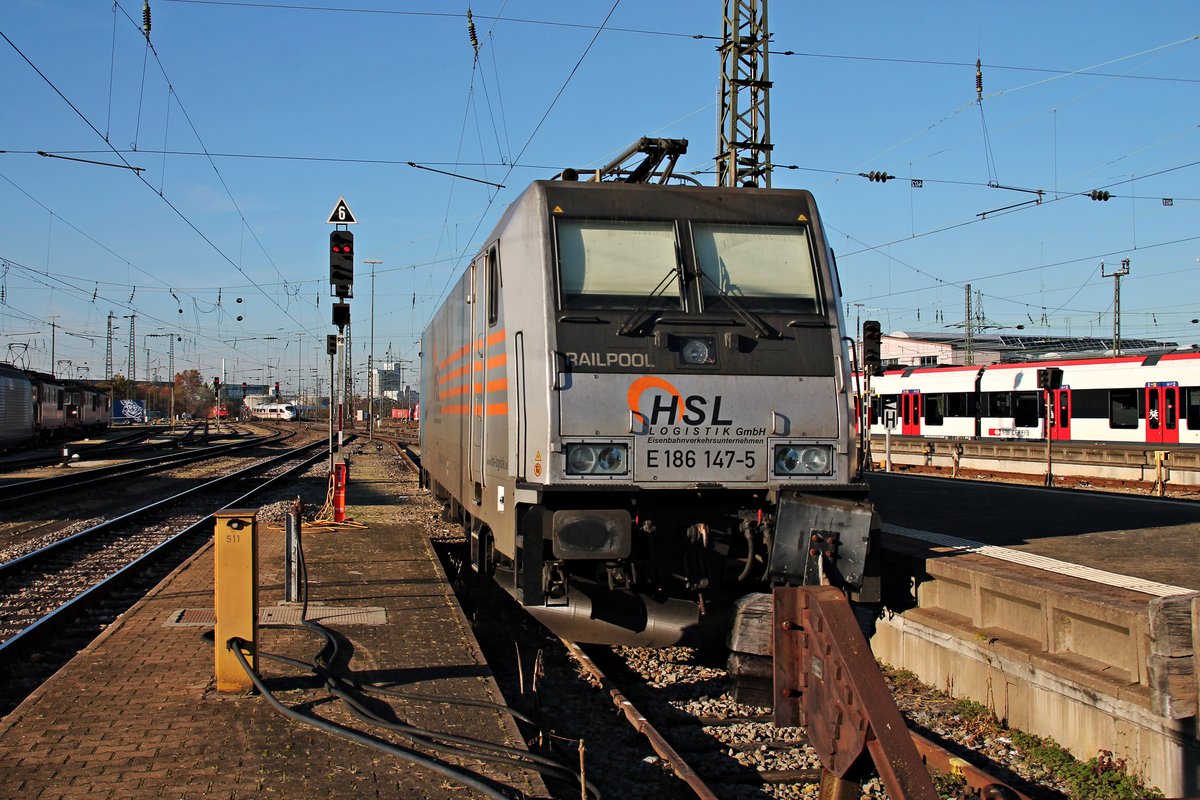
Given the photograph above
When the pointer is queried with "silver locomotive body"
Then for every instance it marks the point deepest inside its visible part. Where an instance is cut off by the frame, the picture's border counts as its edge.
(636, 400)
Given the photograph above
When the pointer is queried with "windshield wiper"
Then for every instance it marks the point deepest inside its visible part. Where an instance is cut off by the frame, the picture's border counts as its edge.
(627, 327)
(756, 322)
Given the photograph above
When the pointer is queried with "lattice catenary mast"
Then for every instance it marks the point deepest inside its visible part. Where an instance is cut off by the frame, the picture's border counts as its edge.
(744, 157)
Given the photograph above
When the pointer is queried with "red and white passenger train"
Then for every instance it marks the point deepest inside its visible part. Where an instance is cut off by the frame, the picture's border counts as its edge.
(1144, 399)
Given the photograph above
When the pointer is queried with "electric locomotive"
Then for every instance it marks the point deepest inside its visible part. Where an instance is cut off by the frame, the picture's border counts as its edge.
(637, 401)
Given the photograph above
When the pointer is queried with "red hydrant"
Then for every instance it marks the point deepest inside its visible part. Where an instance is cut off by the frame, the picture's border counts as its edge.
(339, 492)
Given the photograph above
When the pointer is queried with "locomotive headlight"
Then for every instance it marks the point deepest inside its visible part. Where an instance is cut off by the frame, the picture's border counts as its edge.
(597, 459)
(610, 459)
(698, 351)
(803, 459)
(581, 459)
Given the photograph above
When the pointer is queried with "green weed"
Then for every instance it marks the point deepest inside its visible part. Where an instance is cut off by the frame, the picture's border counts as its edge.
(1099, 778)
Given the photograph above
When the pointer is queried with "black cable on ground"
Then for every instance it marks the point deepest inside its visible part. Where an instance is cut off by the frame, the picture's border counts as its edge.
(323, 666)
(338, 686)
(459, 746)
(462, 776)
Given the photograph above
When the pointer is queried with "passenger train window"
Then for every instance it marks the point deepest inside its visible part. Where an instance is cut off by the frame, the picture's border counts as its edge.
(999, 404)
(934, 408)
(1028, 410)
(617, 264)
(1123, 408)
(764, 268)
(1192, 407)
(958, 405)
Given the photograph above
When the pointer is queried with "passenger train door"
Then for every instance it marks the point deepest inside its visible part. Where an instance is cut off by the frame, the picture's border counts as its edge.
(1162, 412)
(910, 413)
(1060, 424)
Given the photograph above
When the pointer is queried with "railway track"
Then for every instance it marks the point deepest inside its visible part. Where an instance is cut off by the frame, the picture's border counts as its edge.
(30, 488)
(124, 442)
(716, 746)
(55, 599)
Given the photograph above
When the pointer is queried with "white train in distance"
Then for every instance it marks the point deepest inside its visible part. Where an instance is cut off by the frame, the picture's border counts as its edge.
(285, 412)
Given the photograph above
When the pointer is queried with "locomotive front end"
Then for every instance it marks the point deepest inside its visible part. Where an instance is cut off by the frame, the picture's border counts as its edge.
(700, 427)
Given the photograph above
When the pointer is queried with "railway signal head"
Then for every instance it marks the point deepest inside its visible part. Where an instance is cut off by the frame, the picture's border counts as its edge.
(276, 390)
(217, 386)
(341, 315)
(341, 263)
(872, 347)
(1049, 378)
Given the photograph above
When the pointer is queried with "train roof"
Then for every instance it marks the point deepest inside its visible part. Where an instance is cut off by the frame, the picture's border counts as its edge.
(1186, 356)
(612, 198)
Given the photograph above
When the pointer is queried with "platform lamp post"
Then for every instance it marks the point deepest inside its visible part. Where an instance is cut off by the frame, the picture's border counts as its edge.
(371, 358)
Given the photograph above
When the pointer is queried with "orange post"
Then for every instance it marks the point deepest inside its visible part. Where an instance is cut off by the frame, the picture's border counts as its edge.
(339, 492)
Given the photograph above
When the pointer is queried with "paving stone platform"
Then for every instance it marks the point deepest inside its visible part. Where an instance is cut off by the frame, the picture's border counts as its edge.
(136, 714)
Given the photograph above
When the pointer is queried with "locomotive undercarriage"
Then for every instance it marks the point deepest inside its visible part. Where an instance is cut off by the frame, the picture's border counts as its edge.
(666, 567)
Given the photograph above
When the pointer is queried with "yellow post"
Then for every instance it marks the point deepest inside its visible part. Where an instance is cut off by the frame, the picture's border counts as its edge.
(1161, 472)
(235, 595)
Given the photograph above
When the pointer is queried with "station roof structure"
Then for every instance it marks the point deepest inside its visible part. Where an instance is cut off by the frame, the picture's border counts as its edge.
(1009, 348)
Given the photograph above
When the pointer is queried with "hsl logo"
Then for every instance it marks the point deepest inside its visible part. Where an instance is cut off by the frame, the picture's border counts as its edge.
(668, 406)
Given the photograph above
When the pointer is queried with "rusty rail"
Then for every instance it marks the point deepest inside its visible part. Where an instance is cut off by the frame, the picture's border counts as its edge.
(642, 725)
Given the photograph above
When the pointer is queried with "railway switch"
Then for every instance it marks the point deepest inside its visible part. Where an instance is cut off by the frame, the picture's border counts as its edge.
(235, 595)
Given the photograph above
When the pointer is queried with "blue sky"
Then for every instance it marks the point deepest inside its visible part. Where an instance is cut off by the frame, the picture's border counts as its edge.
(303, 102)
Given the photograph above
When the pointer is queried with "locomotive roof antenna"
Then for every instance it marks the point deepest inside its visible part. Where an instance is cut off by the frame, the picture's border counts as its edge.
(744, 125)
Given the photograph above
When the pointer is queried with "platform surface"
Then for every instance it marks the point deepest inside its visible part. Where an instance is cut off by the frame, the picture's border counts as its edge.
(136, 714)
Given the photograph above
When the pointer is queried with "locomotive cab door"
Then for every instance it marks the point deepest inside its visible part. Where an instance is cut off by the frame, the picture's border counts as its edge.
(1162, 413)
(477, 404)
(910, 413)
(1060, 424)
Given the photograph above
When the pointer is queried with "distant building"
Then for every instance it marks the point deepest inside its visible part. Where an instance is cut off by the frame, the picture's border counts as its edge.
(901, 349)
(391, 383)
